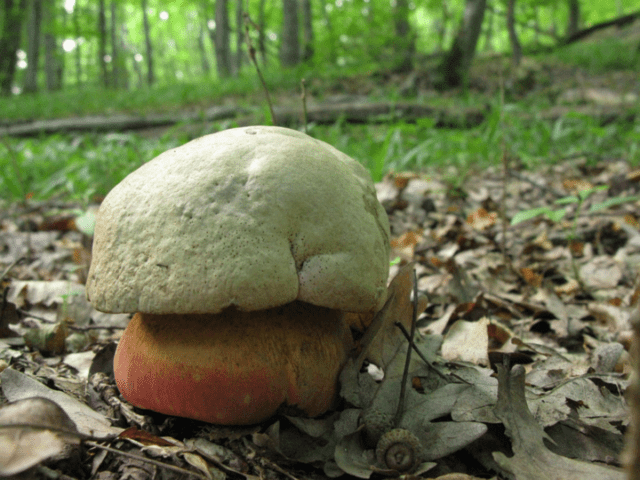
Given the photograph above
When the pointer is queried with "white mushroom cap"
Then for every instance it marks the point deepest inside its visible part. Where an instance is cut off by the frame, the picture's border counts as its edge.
(252, 217)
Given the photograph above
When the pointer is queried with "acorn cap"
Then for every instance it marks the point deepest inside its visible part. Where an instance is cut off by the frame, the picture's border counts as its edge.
(252, 217)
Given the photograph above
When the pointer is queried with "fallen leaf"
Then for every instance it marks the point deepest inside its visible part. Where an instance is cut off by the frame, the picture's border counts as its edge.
(18, 386)
(532, 460)
(32, 430)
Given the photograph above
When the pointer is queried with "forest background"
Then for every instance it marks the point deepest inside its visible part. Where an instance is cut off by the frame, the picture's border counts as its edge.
(456, 63)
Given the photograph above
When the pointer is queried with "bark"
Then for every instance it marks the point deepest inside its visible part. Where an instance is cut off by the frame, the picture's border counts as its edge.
(290, 46)
(151, 76)
(239, 39)
(102, 43)
(488, 34)
(516, 49)
(53, 57)
(204, 61)
(14, 15)
(456, 64)
(115, 48)
(307, 31)
(404, 43)
(357, 112)
(78, 53)
(33, 46)
(221, 39)
(261, 27)
(573, 24)
(441, 26)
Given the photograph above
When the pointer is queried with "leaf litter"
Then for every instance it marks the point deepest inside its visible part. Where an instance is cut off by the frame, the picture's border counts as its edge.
(552, 296)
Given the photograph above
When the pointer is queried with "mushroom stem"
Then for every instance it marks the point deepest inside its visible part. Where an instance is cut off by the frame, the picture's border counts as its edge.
(235, 367)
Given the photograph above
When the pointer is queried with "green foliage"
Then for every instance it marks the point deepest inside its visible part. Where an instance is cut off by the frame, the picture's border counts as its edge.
(602, 56)
(80, 167)
(557, 214)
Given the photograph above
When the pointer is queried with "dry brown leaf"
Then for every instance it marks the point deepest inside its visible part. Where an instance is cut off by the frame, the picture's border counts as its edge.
(382, 339)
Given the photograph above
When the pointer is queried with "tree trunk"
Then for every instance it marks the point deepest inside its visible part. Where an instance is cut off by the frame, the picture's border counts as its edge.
(33, 46)
(53, 57)
(221, 39)
(456, 64)
(78, 53)
(204, 61)
(307, 30)
(239, 39)
(516, 49)
(261, 27)
(573, 24)
(151, 76)
(290, 46)
(404, 43)
(14, 15)
(488, 34)
(102, 44)
(115, 48)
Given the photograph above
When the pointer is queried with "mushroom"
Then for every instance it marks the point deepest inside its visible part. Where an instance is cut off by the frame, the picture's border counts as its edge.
(242, 254)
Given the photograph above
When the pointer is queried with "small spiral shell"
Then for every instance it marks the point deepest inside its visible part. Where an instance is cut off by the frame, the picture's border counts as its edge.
(399, 450)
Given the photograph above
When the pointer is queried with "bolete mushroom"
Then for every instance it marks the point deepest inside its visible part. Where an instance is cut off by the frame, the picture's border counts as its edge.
(240, 254)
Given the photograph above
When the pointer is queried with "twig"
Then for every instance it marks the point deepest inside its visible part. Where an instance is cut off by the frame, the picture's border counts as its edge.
(407, 335)
(142, 458)
(252, 56)
(71, 327)
(405, 374)
(8, 269)
(303, 97)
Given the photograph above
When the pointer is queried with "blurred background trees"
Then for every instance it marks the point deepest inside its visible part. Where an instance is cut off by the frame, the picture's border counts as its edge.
(132, 44)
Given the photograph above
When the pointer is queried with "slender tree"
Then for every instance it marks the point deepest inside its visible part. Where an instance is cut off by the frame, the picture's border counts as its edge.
(151, 76)
(290, 45)
(76, 31)
(33, 46)
(573, 24)
(204, 61)
(14, 15)
(404, 41)
(261, 27)
(456, 64)
(102, 44)
(308, 47)
(53, 57)
(239, 38)
(115, 48)
(516, 49)
(221, 39)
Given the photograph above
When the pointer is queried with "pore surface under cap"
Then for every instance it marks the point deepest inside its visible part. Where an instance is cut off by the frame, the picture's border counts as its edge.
(253, 217)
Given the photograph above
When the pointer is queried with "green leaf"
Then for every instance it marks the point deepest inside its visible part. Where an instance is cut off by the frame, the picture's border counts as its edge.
(566, 200)
(525, 215)
(556, 215)
(612, 202)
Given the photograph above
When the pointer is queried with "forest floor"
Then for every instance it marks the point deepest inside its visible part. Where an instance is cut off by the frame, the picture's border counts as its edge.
(554, 294)
(531, 268)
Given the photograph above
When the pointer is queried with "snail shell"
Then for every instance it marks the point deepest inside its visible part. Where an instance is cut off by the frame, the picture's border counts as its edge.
(399, 450)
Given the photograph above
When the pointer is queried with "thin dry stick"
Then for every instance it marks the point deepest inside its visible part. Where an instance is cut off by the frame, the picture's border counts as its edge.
(303, 97)
(405, 374)
(142, 458)
(252, 56)
(8, 269)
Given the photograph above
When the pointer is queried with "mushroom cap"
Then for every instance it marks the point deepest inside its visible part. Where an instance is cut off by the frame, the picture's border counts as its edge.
(252, 217)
